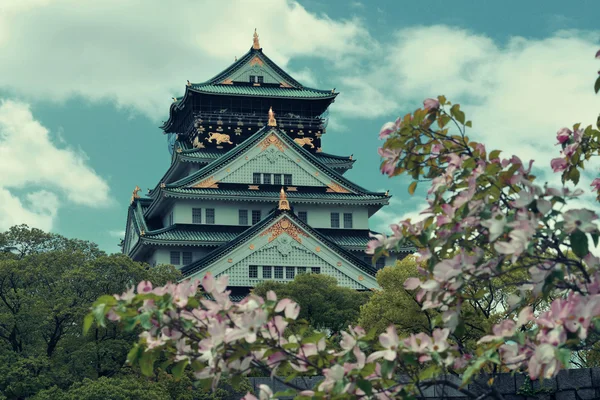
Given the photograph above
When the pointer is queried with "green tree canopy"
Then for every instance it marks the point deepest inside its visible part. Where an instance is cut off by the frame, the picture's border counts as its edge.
(324, 304)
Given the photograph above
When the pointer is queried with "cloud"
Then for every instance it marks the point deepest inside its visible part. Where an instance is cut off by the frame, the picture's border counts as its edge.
(140, 57)
(32, 164)
(117, 233)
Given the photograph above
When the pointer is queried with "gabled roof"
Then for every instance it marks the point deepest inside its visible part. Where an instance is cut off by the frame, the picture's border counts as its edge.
(221, 84)
(249, 143)
(202, 263)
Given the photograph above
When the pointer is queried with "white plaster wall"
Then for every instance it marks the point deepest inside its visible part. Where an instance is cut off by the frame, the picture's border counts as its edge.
(226, 213)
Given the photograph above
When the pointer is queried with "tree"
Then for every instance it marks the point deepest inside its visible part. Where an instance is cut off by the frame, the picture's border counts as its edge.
(487, 222)
(324, 304)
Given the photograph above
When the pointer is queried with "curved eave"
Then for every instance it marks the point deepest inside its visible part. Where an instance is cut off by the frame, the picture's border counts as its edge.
(181, 102)
(191, 243)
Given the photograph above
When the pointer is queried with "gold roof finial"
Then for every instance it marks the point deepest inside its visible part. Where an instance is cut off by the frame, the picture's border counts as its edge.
(255, 44)
(135, 194)
(284, 204)
(272, 120)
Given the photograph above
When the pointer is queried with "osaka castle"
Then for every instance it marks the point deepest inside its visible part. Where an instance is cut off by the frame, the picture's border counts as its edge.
(251, 192)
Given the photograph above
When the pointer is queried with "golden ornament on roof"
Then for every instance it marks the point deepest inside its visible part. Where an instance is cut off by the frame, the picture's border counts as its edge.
(272, 121)
(255, 44)
(284, 204)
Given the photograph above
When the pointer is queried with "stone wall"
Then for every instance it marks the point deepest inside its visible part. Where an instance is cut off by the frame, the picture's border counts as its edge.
(574, 384)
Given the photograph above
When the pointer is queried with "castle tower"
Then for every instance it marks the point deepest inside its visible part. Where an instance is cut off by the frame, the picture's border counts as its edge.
(249, 192)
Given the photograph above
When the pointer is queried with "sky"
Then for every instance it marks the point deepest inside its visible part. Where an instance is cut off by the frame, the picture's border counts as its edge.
(84, 86)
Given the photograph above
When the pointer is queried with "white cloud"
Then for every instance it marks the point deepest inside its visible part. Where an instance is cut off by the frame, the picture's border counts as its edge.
(120, 234)
(139, 57)
(33, 164)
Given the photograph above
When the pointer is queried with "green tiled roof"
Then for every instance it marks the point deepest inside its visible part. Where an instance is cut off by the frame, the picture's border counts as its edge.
(326, 158)
(253, 195)
(261, 91)
(196, 234)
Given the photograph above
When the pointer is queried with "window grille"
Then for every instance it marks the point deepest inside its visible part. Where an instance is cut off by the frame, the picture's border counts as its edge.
(315, 270)
(243, 217)
(175, 260)
(252, 78)
(276, 179)
(287, 179)
(267, 272)
(267, 179)
(260, 79)
(303, 216)
(301, 270)
(348, 220)
(256, 178)
(186, 257)
(252, 271)
(210, 215)
(289, 272)
(335, 220)
(196, 215)
(278, 272)
(255, 216)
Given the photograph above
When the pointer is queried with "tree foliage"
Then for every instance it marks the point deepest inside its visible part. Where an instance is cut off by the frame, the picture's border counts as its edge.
(324, 304)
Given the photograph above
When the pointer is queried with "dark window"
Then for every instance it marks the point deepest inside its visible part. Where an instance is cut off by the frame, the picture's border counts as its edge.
(335, 220)
(287, 179)
(196, 215)
(278, 272)
(186, 257)
(175, 258)
(276, 179)
(210, 215)
(260, 79)
(303, 216)
(315, 270)
(348, 220)
(380, 263)
(243, 217)
(255, 216)
(253, 271)
(256, 178)
(252, 78)
(267, 179)
(289, 273)
(301, 270)
(267, 272)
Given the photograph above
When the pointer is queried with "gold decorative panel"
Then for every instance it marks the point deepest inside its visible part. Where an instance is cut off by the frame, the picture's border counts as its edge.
(339, 263)
(227, 82)
(291, 189)
(252, 187)
(230, 260)
(318, 249)
(335, 188)
(207, 183)
(272, 140)
(361, 278)
(256, 60)
(251, 247)
(284, 226)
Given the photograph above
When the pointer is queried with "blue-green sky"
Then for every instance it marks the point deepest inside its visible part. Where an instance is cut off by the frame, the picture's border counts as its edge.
(84, 86)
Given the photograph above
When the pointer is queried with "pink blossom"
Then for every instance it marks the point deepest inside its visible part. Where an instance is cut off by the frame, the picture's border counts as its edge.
(211, 284)
(389, 127)
(332, 375)
(570, 149)
(563, 135)
(543, 363)
(144, 287)
(291, 308)
(558, 164)
(596, 184)
(495, 226)
(580, 219)
(390, 343)
(431, 104)
(126, 296)
(412, 283)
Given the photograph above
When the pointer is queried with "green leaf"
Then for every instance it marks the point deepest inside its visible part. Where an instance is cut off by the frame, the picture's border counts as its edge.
(412, 187)
(430, 372)
(134, 354)
(597, 85)
(285, 393)
(87, 323)
(469, 124)
(313, 338)
(579, 243)
(574, 175)
(495, 154)
(178, 369)
(147, 363)
(106, 300)
(456, 113)
(365, 386)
